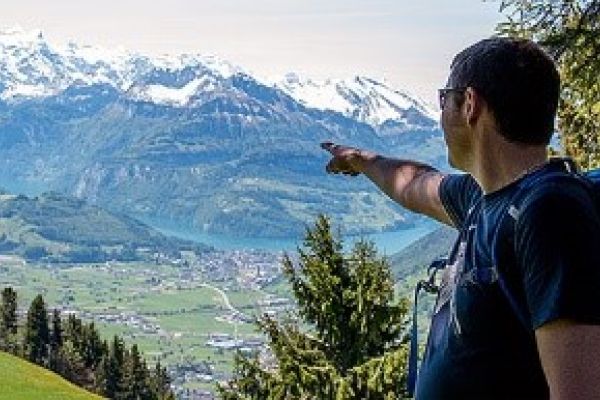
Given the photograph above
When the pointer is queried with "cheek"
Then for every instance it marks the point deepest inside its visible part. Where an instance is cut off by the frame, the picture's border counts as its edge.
(445, 127)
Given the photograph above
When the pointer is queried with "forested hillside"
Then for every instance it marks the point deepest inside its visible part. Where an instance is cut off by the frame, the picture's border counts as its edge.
(57, 228)
(74, 350)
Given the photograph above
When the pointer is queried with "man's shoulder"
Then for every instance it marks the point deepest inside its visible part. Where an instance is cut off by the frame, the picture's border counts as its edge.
(554, 189)
(460, 185)
(565, 200)
(457, 193)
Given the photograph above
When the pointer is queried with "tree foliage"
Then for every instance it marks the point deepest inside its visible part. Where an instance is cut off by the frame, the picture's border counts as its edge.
(56, 336)
(570, 32)
(111, 369)
(74, 350)
(135, 377)
(162, 382)
(346, 341)
(37, 332)
(8, 319)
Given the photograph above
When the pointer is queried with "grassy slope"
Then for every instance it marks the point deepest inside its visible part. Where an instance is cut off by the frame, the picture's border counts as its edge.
(21, 380)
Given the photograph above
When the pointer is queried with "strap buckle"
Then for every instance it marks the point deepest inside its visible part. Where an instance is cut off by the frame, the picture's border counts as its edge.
(429, 285)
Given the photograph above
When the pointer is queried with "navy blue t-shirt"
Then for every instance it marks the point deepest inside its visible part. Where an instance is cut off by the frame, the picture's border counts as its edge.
(477, 347)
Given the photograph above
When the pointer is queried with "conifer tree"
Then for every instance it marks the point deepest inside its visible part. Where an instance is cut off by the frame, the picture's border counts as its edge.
(37, 333)
(161, 382)
(126, 390)
(56, 342)
(354, 347)
(113, 369)
(101, 380)
(56, 337)
(74, 332)
(91, 346)
(71, 366)
(8, 319)
(570, 31)
(135, 379)
(143, 375)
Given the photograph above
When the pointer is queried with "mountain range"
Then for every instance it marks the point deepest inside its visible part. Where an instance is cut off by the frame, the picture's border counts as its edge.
(194, 142)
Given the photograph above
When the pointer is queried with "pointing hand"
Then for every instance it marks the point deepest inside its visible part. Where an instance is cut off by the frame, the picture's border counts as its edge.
(346, 160)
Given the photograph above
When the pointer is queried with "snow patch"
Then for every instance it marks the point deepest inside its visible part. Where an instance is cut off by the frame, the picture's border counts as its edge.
(359, 97)
(179, 97)
(26, 91)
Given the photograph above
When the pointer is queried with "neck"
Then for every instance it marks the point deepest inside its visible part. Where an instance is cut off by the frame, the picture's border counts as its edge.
(505, 163)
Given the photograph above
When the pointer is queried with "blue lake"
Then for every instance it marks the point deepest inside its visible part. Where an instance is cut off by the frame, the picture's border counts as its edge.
(387, 242)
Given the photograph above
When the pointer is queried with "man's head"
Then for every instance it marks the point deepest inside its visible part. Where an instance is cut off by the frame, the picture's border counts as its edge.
(517, 81)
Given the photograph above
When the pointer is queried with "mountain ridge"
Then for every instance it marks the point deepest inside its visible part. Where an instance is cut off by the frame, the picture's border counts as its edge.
(35, 67)
(229, 154)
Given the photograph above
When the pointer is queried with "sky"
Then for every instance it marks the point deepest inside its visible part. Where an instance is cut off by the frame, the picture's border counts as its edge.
(409, 44)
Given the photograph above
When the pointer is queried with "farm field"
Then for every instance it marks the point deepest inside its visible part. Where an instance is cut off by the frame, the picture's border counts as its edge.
(191, 316)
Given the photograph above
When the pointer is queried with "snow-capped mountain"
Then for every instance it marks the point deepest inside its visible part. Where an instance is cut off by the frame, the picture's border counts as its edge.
(30, 66)
(360, 98)
(194, 141)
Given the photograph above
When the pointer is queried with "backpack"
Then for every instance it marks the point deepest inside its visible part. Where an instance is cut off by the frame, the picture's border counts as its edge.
(567, 171)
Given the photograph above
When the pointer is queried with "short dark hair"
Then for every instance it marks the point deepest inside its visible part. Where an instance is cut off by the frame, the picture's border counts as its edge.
(518, 80)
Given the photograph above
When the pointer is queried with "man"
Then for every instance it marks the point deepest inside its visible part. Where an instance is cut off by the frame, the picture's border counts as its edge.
(498, 112)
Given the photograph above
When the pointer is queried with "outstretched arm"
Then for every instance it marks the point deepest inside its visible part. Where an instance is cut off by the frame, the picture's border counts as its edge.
(413, 185)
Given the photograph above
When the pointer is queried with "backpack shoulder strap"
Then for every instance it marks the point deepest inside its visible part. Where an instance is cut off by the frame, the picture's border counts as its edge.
(506, 226)
(506, 229)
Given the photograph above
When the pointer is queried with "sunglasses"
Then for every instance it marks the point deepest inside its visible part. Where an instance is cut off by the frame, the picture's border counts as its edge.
(443, 94)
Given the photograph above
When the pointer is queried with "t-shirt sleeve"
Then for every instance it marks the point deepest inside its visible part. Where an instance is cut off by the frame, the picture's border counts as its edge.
(557, 240)
(458, 193)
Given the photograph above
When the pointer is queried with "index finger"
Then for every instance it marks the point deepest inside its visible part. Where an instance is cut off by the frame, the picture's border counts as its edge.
(327, 146)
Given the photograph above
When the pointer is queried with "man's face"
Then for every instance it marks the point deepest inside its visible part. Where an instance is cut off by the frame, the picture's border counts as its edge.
(454, 126)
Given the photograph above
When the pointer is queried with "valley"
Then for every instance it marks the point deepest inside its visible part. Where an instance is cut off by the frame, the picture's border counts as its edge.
(191, 313)
(153, 196)
(194, 311)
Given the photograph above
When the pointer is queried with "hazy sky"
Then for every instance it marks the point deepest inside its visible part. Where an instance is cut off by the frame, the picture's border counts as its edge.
(409, 43)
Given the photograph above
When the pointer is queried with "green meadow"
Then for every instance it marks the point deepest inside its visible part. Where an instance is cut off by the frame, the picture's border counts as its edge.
(21, 380)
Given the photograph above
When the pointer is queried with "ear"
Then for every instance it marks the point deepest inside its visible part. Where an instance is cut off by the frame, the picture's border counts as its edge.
(472, 106)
